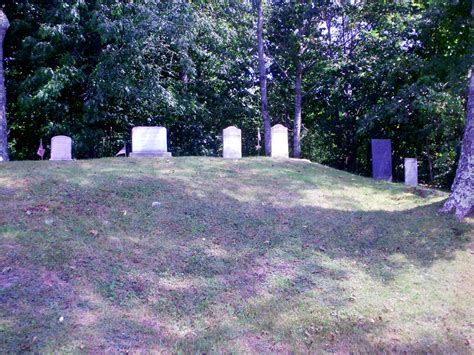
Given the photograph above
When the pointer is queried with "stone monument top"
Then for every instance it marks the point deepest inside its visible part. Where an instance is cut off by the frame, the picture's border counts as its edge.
(279, 141)
(61, 147)
(382, 159)
(232, 143)
(149, 141)
(411, 171)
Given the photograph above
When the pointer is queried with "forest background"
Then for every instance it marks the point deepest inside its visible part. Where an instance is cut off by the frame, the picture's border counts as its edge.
(367, 69)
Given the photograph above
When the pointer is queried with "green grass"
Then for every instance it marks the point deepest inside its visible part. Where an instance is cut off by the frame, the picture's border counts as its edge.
(256, 255)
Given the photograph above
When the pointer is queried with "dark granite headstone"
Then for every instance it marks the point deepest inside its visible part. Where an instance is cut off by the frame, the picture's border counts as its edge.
(382, 159)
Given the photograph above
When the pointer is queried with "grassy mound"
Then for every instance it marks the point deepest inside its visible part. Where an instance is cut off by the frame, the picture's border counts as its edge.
(201, 254)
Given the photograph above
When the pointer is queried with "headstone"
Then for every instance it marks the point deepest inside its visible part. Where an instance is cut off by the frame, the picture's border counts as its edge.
(382, 159)
(279, 141)
(61, 147)
(411, 172)
(232, 137)
(149, 142)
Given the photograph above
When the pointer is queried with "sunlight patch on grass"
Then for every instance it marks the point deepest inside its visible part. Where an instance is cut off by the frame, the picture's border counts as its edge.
(255, 255)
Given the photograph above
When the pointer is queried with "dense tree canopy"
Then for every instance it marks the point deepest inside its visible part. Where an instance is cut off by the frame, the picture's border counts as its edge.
(94, 69)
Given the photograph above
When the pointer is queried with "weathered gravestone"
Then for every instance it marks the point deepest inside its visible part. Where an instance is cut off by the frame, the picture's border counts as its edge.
(149, 142)
(411, 171)
(61, 147)
(279, 141)
(232, 137)
(382, 159)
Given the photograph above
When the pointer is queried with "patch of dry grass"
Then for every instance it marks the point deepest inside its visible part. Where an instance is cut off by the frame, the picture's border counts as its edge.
(256, 255)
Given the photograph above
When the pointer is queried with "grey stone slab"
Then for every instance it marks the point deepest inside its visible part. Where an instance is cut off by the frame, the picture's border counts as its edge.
(149, 142)
(232, 142)
(61, 148)
(279, 141)
(382, 159)
(411, 171)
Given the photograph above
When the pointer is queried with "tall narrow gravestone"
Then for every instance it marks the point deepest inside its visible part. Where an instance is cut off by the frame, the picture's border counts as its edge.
(232, 137)
(279, 141)
(61, 147)
(149, 142)
(382, 159)
(411, 171)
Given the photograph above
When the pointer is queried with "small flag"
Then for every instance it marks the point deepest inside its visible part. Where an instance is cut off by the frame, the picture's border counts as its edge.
(122, 151)
(40, 150)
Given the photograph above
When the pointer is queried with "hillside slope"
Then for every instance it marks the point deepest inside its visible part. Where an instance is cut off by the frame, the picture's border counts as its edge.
(202, 254)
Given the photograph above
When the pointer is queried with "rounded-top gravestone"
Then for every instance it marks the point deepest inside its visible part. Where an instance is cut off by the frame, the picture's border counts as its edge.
(279, 141)
(61, 148)
(232, 143)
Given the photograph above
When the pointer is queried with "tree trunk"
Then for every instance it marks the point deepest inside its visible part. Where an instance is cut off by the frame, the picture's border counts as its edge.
(430, 170)
(430, 165)
(461, 199)
(4, 24)
(263, 80)
(297, 122)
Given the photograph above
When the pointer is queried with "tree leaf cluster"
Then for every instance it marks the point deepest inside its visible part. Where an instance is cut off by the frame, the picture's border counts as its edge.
(95, 69)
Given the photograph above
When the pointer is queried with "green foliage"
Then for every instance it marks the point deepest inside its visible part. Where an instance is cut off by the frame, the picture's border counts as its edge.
(398, 77)
(94, 69)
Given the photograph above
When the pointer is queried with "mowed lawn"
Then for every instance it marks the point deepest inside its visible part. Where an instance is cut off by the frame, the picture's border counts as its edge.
(206, 255)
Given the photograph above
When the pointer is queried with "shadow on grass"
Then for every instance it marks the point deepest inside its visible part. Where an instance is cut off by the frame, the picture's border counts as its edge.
(215, 266)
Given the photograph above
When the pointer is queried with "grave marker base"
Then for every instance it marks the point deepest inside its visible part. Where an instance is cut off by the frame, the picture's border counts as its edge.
(149, 154)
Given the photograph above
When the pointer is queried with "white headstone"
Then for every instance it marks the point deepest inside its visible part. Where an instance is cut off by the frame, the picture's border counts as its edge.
(61, 147)
(149, 141)
(411, 171)
(232, 137)
(279, 141)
